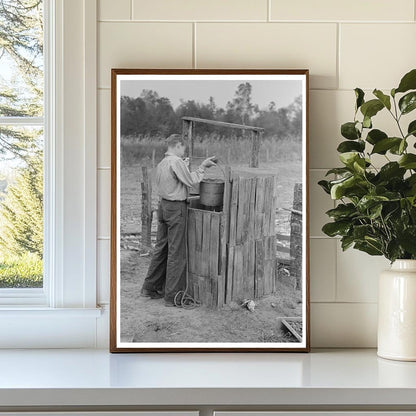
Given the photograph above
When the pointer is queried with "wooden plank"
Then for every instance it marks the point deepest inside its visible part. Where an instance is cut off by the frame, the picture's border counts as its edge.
(223, 123)
(214, 235)
(206, 237)
(258, 227)
(224, 237)
(259, 268)
(230, 268)
(247, 211)
(251, 268)
(273, 210)
(283, 237)
(234, 211)
(198, 231)
(282, 249)
(252, 210)
(242, 188)
(214, 257)
(240, 273)
(191, 241)
(268, 196)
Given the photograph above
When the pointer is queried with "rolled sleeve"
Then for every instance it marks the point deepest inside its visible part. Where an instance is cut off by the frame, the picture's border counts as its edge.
(184, 175)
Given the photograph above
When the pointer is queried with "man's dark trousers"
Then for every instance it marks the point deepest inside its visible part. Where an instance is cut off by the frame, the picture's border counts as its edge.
(168, 264)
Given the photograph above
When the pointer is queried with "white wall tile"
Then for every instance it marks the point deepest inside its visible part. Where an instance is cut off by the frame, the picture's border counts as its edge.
(357, 275)
(340, 10)
(200, 10)
(104, 129)
(142, 45)
(328, 110)
(376, 55)
(323, 269)
(319, 203)
(104, 202)
(103, 271)
(343, 325)
(271, 45)
(114, 10)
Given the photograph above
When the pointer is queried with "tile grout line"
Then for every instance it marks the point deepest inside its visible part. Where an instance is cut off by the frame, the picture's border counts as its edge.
(338, 63)
(309, 22)
(194, 45)
(269, 8)
(131, 9)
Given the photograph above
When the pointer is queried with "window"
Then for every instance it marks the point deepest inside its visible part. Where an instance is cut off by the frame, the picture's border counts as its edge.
(22, 144)
(63, 313)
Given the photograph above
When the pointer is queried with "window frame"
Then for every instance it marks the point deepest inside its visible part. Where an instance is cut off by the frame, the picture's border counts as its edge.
(67, 304)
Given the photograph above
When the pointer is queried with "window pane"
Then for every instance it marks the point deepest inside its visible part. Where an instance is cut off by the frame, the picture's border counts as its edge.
(21, 58)
(21, 207)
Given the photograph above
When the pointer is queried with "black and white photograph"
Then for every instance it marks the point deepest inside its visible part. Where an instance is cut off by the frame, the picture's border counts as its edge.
(209, 210)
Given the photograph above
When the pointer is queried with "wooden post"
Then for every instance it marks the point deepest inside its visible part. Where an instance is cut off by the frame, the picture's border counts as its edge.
(187, 135)
(296, 235)
(146, 187)
(153, 158)
(255, 149)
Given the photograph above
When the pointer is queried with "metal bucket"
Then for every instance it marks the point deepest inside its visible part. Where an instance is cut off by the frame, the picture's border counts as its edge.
(211, 192)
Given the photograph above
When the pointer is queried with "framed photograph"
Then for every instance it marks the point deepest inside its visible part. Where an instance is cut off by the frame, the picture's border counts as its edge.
(209, 210)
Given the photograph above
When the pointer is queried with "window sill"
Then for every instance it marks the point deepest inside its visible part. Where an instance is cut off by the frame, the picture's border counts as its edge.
(43, 327)
(35, 311)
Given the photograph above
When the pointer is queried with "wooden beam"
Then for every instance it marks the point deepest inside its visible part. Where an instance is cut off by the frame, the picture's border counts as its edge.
(222, 123)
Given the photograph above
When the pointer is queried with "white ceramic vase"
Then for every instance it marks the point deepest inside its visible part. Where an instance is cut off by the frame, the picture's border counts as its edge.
(397, 312)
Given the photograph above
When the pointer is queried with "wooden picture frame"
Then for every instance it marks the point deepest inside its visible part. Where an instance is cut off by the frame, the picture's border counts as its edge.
(247, 257)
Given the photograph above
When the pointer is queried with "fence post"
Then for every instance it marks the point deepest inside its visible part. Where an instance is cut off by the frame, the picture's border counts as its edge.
(146, 187)
(256, 136)
(296, 236)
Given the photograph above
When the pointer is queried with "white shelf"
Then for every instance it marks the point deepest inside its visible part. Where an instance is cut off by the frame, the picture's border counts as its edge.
(87, 377)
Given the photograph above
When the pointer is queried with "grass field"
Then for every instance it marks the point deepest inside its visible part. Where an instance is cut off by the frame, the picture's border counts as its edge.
(21, 271)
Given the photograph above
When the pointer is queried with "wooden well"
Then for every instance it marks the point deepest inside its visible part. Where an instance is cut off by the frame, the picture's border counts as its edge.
(231, 253)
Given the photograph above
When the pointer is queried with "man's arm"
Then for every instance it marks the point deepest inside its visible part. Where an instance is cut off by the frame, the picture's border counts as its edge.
(185, 176)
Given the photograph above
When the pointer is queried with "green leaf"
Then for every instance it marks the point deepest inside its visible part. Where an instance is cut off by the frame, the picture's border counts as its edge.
(361, 231)
(411, 130)
(385, 99)
(375, 136)
(385, 144)
(408, 82)
(336, 228)
(349, 131)
(338, 189)
(400, 148)
(371, 108)
(346, 242)
(408, 102)
(375, 211)
(325, 186)
(407, 239)
(342, 211)
(349, 146)
(408, 161)
(359, 95)
(338, 171)
(348, 158)
(368, 248)
(390, 170)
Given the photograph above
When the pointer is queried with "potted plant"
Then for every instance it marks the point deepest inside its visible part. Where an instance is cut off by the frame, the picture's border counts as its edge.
(376, 207)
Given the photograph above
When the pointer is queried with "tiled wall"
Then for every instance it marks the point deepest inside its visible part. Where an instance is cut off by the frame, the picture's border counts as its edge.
(344, 43)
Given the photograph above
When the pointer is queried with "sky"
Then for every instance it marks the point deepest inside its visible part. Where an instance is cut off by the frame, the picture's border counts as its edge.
(282, 92)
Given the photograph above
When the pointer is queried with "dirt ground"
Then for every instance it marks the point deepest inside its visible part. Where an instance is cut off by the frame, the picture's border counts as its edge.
(148, 320)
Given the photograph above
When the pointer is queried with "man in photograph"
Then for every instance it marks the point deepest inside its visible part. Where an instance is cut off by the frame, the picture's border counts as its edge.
(173, 180)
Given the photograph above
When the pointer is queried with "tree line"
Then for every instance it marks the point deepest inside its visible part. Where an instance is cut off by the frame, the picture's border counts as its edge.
(152, 115)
